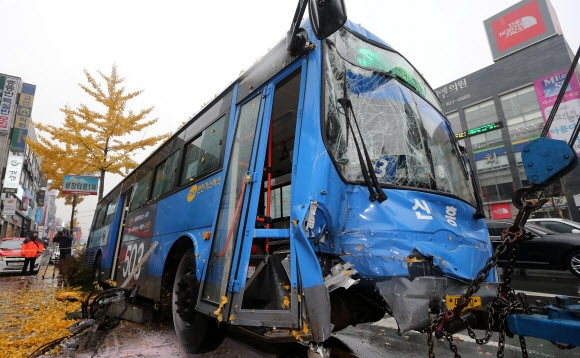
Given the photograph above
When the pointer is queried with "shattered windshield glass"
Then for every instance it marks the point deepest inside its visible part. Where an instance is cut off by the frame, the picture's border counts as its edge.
(408, 141)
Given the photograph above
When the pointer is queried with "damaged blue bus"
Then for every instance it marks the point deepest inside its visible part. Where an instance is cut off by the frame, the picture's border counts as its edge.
(323, 188)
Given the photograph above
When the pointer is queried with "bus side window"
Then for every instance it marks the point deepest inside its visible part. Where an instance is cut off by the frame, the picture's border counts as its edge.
(140, 192)
(165, 175)
(203, 153)
(100, 217)
(110, 212)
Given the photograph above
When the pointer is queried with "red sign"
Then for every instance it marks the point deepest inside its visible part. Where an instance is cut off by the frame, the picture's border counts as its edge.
(501, 211)
(520, 25)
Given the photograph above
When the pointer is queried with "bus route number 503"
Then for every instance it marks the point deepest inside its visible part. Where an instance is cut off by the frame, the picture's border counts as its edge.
(133, 255)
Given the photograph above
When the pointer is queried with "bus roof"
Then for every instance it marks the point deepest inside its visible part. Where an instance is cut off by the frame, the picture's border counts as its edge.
(265, 68)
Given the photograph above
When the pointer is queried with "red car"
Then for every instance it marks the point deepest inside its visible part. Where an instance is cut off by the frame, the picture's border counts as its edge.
(11, 259)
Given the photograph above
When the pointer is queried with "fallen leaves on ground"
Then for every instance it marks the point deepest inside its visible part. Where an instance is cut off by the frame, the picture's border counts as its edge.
(32, 317)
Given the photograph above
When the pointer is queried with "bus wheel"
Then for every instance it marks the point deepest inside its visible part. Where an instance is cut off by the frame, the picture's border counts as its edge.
(197, 333)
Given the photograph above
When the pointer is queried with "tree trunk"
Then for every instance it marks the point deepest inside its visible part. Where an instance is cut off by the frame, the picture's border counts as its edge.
(101, 184)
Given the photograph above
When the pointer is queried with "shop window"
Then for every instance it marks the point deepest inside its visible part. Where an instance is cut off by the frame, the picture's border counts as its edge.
(522, 113)
(519, 102)
(495, 178)
(455, 122)
(480, 114)
(486, 141)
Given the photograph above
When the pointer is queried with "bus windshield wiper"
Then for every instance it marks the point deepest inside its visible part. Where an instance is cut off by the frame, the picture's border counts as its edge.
(368, 172)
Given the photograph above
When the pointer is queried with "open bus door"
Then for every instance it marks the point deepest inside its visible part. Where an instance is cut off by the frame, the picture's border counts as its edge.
(124, 200)
(251, 278)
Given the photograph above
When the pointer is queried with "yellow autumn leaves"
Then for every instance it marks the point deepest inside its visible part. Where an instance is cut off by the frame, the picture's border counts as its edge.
(32, 317)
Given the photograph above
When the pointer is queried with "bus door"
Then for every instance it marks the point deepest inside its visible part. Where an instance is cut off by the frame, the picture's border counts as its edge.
(251, 276)
(124, 200)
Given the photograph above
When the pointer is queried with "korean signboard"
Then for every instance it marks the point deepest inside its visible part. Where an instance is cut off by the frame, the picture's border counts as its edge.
(10, 206)
(77, 184)
(18, 145)
(520, 26)
(547, 89)
(24, 109)
(8, 91)
(40, 198)
(13, 171)
(39, 215)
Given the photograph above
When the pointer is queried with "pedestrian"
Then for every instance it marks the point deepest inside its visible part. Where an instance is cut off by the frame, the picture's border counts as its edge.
(65, 244)
(57, 241)
(58, 237)
(31, 249)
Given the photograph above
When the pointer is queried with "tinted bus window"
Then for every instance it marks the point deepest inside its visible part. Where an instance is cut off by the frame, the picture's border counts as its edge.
(203, 153)
(110, 213)
(100, 217)
(140, 192)
(165, 175)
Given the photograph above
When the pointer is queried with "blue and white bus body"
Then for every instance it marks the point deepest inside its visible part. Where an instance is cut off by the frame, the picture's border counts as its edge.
(403, 255)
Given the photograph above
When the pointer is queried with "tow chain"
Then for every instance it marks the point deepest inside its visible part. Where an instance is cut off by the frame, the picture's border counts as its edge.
(504, 303)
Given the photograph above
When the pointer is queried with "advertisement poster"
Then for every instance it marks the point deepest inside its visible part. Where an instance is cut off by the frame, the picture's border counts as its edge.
(547, 89)
(10, 206)
(136, 241)
(518, 26)
(39, 215)
(521, 25)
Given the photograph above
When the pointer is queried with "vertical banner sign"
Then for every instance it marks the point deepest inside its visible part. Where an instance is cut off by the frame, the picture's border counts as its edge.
(8, 88)
(18, 145)
(39, 215)
(13, 171)
(40, 198)
(24, 109)
(547, 89)
(10, 206)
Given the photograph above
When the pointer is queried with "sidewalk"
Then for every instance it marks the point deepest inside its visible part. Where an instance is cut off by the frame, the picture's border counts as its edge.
(32, 317)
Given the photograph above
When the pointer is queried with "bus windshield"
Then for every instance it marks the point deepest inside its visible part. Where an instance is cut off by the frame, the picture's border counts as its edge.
(407, 139)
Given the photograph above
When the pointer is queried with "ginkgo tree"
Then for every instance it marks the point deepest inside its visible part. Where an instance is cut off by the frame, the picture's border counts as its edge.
(95, 141)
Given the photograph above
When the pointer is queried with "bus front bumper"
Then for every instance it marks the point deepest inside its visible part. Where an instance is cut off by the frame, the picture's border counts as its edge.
(412, 302)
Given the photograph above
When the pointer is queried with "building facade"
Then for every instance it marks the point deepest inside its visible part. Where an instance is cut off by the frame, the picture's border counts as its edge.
(496, 111)
(21, 190)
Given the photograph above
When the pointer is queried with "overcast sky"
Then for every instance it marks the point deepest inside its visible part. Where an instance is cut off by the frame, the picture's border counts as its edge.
(182, 53)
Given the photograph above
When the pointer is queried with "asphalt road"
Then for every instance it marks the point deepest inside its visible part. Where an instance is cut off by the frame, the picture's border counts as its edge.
(157, 339)
(366, 340)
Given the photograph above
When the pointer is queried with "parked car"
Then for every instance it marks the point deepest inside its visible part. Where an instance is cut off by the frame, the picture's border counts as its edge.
(11, 258)
(558, 225)
(543, 249)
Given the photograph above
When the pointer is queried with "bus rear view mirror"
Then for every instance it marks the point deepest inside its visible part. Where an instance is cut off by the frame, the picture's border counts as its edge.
(326, 16)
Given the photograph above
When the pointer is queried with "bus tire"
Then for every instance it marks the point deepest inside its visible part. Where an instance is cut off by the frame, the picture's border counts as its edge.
(196, 332)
